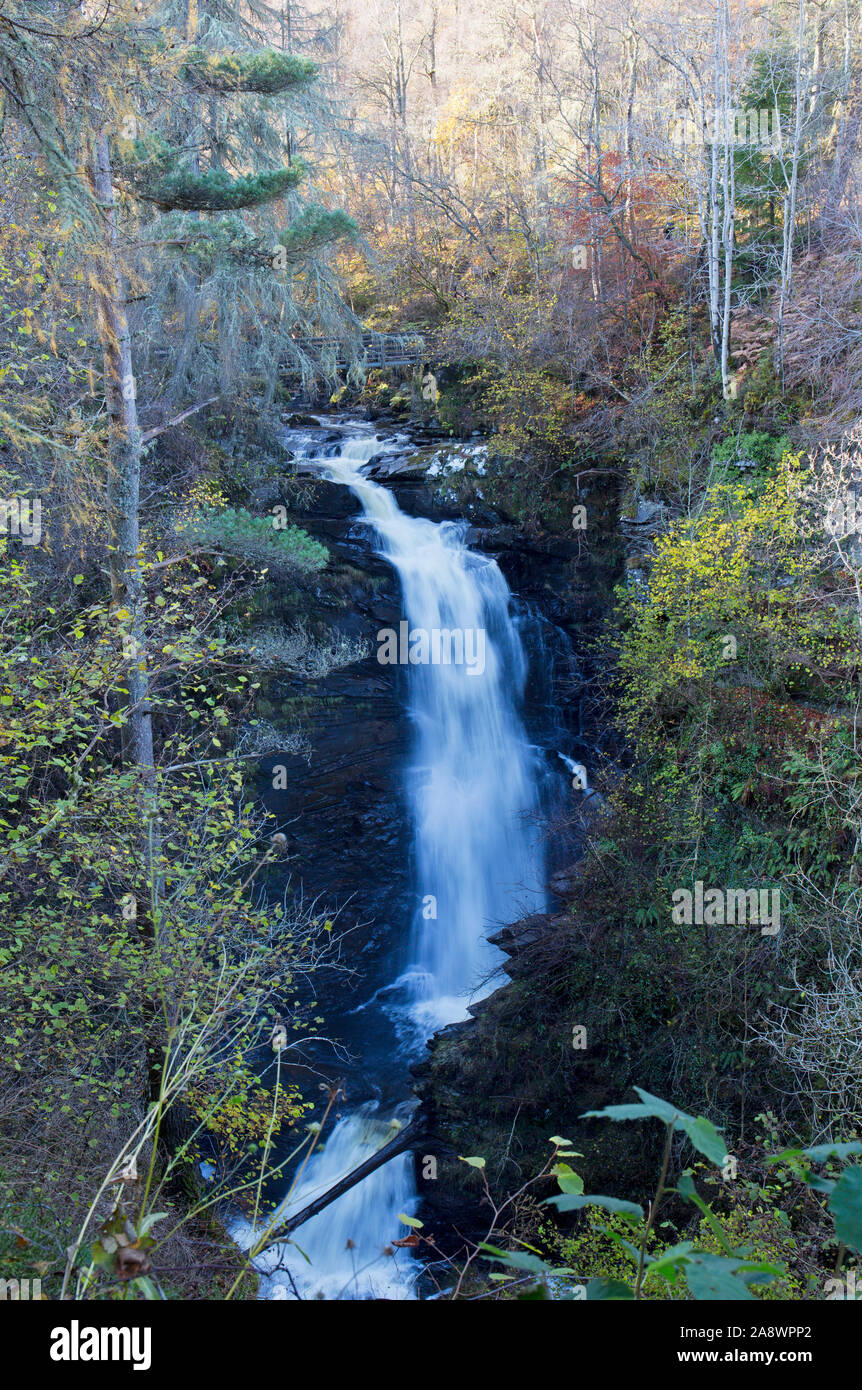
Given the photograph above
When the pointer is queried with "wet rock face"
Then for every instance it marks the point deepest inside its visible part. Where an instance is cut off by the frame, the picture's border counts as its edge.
(343, 807)
(343, 812)
(299, 421)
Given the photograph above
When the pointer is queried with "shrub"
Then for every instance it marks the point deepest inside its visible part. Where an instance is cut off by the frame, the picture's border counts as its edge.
(764, 449)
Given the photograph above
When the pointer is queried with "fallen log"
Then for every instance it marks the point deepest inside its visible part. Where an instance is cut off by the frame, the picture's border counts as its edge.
(160, 429)
(414, 1132)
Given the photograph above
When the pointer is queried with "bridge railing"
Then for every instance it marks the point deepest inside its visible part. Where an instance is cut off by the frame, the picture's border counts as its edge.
(376, 349)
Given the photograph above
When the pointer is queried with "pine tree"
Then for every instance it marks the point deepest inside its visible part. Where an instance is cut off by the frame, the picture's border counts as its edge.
(69, 86)
(249, 285)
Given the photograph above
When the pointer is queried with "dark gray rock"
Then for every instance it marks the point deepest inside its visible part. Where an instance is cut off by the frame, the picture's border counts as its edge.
(299, 422)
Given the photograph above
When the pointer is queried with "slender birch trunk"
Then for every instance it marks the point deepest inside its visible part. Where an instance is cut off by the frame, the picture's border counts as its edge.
(122, 499)
(728, 197)
(713, 240)
(124, 472)
(789, 200)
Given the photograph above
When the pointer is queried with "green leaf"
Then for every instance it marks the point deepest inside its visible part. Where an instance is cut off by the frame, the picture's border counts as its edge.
(520, 1259)
(706, 1139)
(622, 1112)
(669, 1264)
(846, 1207)
(148, 1222)
(702, 1132)
(607, 1289)
(651, 1107)
(820, 1152)
(473, 1162)
(410, 1221)
(820, 1184)
(711, 1277)
(576, 1203)
(709, 1282)
(569, 1180)
(687, 1189)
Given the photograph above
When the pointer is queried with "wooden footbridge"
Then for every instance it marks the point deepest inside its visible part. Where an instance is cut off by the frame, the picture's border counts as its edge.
(378, 350)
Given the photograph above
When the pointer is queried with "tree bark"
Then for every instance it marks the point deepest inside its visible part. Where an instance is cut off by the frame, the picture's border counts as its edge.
(789, 218)
(728, 196)
(122, 501)
(124, 469)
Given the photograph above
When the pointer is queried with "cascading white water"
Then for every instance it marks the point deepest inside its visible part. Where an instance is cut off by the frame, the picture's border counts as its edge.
(471, 788)
(343, 1245)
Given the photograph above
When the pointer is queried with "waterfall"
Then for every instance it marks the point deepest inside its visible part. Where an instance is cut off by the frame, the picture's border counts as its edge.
(471, 788)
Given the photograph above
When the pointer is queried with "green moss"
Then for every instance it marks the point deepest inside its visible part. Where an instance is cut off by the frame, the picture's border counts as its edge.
(595, 1251)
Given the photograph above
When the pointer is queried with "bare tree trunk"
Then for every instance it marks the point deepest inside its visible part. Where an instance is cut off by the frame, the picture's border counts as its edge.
(728, 196)
(124, 472)
(789, 201)
(541, 137)
(727, 239)
(122, 500)
(713, 236)
(631, 51)
(593, 156)
(847, 118)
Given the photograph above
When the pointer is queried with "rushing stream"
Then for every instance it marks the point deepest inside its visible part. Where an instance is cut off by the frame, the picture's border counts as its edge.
(472, 789)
